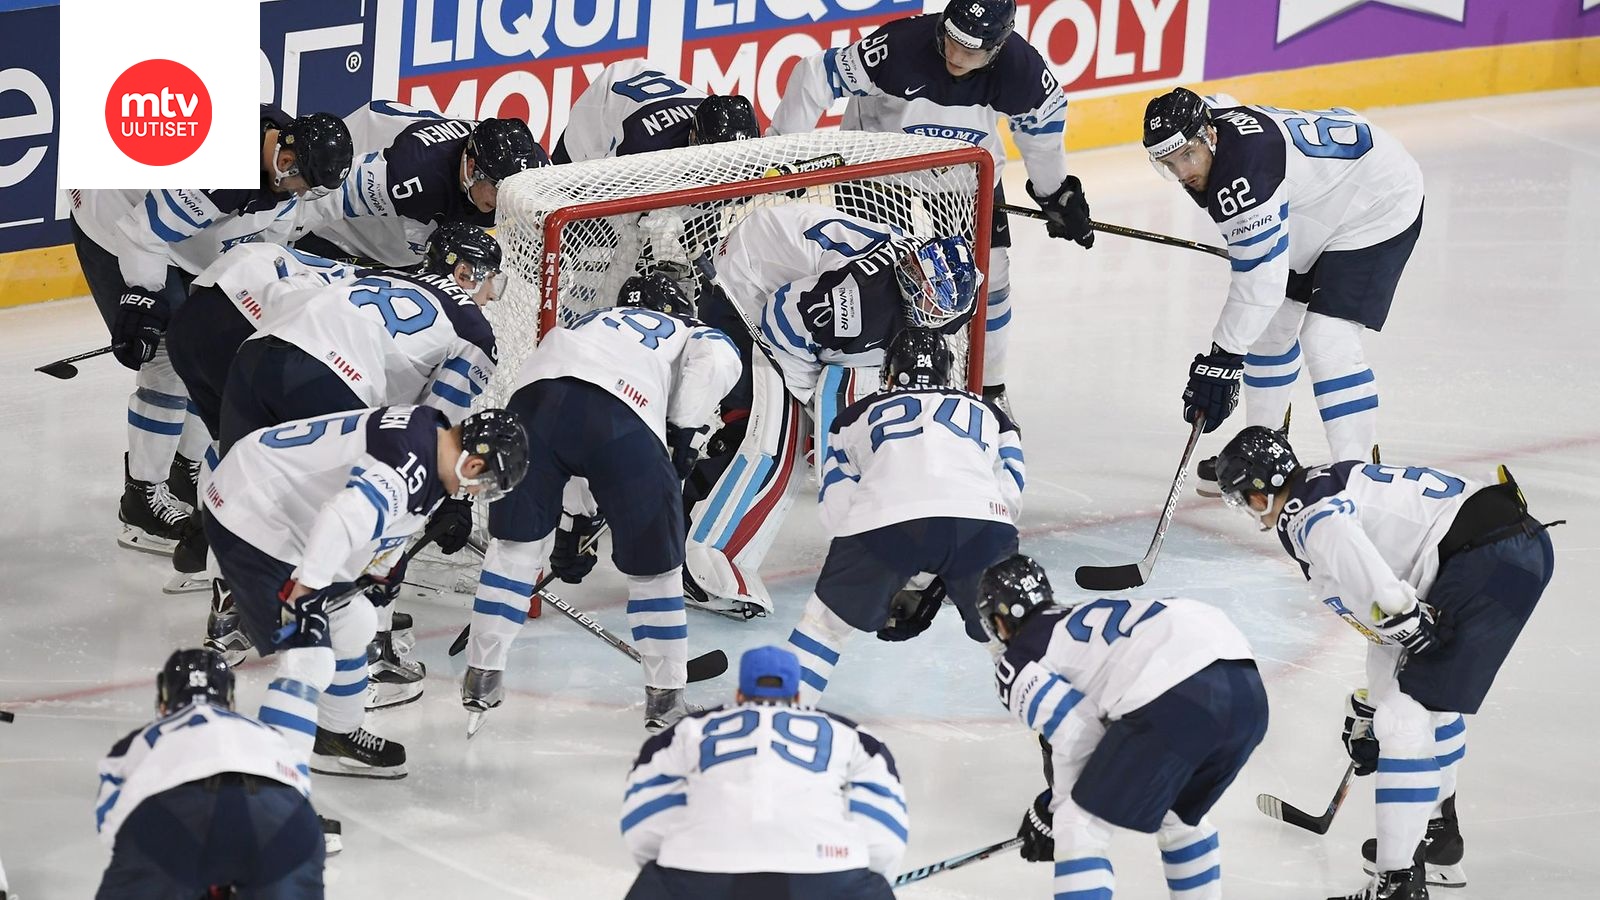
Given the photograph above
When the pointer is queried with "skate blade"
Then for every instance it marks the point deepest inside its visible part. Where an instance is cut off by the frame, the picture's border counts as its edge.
(143, 541)
(382, 695)
(345, 768)
(181, 583)
(1438, 876)
(332, 844)
(475, 719)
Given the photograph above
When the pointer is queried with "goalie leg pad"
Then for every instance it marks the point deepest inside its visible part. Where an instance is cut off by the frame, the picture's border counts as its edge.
(660, 628)
(343, 703)
(997, 317)
(817, 640)
(838, 387)
(1346, 390)
(505, 591)
(1271, 367)
(1191, 857)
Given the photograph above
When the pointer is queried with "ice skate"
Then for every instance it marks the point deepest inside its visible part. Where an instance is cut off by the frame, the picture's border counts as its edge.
(332, 836)
(392, 679)
(663, 707)
(481, 691)
(737, 608)
(152, 521)
(1400, 884)
(223, 633)
(996, 394)
(1442, 850)
(189, 561)
(400, 634)
(183, 480)
(359, 754)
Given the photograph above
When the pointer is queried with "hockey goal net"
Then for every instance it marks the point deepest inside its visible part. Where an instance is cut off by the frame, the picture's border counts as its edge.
(571, 234)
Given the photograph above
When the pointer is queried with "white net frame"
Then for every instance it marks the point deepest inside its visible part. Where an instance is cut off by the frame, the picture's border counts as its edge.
(572, 233)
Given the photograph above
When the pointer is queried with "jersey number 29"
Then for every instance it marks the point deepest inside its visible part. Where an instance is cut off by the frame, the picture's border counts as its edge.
(812, 736)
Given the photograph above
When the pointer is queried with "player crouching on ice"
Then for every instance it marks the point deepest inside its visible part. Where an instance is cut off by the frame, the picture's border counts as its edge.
(826, 291)
(621, 398)
(1146, 709)
(205, 797)
(1440, 573)
(888, 528)
(298, 514)
(769, 798)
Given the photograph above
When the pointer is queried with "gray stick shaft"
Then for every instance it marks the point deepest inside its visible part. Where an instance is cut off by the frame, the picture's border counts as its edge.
(956, 862)
(1123, 231)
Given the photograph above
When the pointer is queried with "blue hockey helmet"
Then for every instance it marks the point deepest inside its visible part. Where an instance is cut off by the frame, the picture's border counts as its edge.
(917, 358)
(1257, 460)
(189, 675)
(939, 281)
(1010, 592)
(980, 25)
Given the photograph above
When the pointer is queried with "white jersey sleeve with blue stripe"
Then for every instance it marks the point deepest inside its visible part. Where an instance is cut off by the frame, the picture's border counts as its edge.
(194, 742)
(1105, 658)
(244, 272)
(765, 788)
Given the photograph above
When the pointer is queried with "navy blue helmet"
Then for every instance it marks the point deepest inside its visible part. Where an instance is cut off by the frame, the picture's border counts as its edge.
(917, 358)
(1011, 591)
(501, 148)
(454, 243)
(322, 149)
(1172, 120)
(498, 437)
(723, 118)
(1258, 459)
(978, 24)
(655, 290)
(193, 674)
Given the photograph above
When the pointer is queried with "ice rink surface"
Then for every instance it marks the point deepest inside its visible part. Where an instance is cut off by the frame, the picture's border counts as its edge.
(1489, 356)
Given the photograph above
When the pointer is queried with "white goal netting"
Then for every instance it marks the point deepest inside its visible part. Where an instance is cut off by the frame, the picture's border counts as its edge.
(571, 234)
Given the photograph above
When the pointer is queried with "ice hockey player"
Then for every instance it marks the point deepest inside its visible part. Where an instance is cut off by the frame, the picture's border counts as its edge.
(415, 170)
(138, 251)
(622, 398)
(888, 528)
(389, 336)
(1319, 209)
(701, 824)
(206, 797)
(952, 75)
(631, 107)
(1439, 573)
(826, 291)
(303, 515)
(1146, 709)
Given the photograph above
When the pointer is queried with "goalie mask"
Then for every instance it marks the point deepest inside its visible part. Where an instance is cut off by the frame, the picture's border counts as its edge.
(1257, 460)
(939, 282)
(1010, 592)
(189, 675)
(499, 439)
(917, 358)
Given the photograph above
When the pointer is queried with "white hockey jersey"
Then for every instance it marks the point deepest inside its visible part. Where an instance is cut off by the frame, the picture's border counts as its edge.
(393, 337)
(1288, 185)
(896, 81)
(666, 368)
(819, 282)
(191, 743)
(1105, 658)
(244, 271)
(884, 448)
(335, 496)
(765, 788)
(631, 107)
(1369, 533)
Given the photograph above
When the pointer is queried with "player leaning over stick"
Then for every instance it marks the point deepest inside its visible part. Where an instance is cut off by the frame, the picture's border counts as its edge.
(953, 75)
(1440, 573)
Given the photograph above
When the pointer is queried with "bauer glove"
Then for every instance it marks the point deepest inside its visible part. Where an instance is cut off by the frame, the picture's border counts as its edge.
(576, 549)
(1413, 629)
(911, 612)
(1359, 740)
(1213, 388)
(1067, 212)
(137, 327)
(1038, 841)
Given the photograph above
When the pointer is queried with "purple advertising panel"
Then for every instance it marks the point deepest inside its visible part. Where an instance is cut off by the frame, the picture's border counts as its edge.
(1247, 36)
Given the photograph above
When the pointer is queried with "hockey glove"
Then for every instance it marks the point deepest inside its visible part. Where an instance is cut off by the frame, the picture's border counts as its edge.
(570, 559)
(453, 518)
(1213, 388)
(1068, 212)
(1038, 842)
(1413, 629)
(684, 445)
(304, 618)
(137, 327)
(1359, 740)
(911, 612)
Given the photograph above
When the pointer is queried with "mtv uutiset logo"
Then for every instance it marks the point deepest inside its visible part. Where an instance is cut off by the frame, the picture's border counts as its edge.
(1295, 16)
(160, 94)
(158, 112)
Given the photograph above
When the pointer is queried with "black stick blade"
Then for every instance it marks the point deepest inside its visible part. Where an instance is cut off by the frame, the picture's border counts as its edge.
(460, 643)
(708, 665)
(61, 370)
(1109, 578)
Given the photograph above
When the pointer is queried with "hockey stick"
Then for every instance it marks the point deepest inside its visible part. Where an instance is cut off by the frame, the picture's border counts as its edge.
(1132, 575)
(64, 368)
(1283, 812)
(460, 643)
(1122, 231)
(701, 668)
(360, 585)
(955, 862)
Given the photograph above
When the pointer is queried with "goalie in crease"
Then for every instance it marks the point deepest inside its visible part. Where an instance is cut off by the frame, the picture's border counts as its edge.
(812, 296)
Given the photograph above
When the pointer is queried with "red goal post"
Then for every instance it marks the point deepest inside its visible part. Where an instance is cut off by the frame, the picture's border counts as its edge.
(572, 233)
